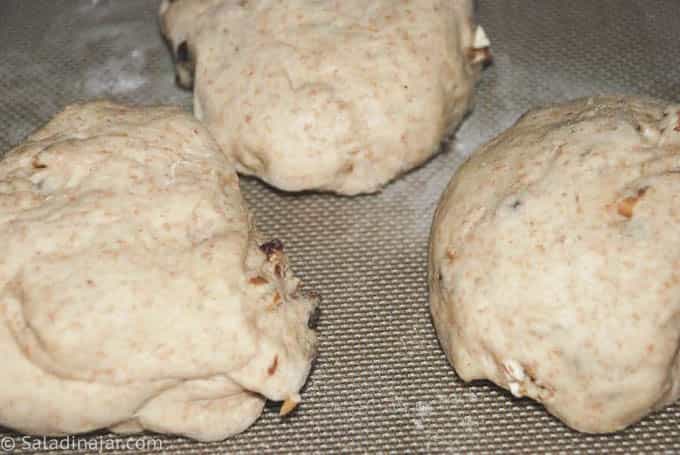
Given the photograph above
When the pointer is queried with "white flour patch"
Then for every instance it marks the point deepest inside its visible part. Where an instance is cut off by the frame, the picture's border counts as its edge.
(117, 76)
(123, 71)
(423, 410)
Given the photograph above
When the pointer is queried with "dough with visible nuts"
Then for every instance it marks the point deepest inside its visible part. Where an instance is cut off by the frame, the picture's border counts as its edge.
(555, 261)
(339, 96)
(136, 293)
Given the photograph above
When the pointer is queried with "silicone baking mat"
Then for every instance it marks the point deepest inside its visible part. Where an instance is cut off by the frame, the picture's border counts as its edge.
(381, 382)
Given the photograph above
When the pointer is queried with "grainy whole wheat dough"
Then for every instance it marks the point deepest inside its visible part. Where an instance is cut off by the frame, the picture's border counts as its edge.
(331, 95)
(555, 261)
(135, 292)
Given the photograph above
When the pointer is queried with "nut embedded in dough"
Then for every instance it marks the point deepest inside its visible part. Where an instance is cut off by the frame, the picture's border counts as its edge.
(289, 405)
(626, 206)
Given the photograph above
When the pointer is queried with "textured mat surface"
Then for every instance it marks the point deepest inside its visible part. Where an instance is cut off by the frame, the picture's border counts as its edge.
(381, 381)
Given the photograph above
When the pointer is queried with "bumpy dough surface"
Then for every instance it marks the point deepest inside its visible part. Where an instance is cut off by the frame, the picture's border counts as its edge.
(555, 261)
(332, 95)
(135, 294)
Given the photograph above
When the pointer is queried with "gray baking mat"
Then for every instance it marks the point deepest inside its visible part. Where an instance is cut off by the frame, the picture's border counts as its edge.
(381, 381)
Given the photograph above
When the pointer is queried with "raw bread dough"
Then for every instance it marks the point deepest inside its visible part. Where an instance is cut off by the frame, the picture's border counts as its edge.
(135, 292)
(340, 96)
(555, 261)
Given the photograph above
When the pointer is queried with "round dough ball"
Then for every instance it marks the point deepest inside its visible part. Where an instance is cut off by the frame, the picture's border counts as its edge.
(555, 261)
(136, 293)
(339, 96)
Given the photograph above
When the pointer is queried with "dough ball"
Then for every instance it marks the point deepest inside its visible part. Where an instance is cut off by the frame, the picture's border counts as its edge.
(555, 261)
(339, 96)
(136, 293)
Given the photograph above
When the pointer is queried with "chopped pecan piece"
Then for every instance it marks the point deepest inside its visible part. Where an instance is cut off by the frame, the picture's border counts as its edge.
(272, 247)
(272, 368)
(257, 280)
(626, 206)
